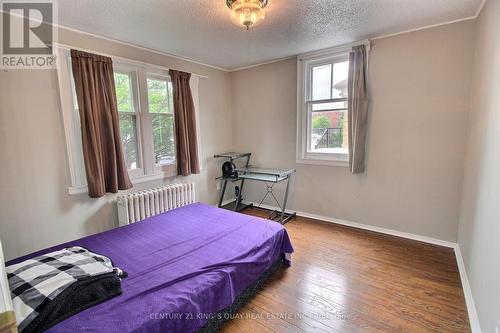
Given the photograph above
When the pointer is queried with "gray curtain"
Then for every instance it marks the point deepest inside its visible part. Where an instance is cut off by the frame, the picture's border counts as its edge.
(358, 108)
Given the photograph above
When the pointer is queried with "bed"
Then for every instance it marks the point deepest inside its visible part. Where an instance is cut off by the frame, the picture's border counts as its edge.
(186, 267)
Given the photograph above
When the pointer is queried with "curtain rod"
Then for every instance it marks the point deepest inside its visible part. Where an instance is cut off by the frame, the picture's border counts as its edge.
(340, 48)
(69, 47)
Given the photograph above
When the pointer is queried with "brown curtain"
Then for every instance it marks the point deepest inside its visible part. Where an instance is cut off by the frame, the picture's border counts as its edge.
(357, 108)
(185, 125)
(102, 149)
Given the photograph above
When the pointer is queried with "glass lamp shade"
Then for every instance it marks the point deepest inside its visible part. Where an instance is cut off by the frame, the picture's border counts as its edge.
(247, 13)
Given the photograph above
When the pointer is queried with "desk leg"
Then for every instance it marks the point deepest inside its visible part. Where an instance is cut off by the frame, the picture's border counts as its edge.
(285, 199)
(222, 191)
(238, 198)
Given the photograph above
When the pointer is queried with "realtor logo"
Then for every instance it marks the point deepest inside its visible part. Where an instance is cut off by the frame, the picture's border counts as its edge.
(28, 34)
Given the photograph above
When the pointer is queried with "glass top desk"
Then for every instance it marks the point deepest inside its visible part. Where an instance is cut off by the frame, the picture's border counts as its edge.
(246, 172)
(270, 177)
(263, 174)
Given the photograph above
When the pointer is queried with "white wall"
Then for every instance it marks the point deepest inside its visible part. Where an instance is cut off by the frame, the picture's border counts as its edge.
(420, 89)
(420, 86)
(479, 230)
(419, 120)
(36, 210)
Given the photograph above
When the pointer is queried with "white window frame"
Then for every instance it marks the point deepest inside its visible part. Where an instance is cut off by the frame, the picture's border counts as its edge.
(305, 103)
(148, 170)
(305, 64)
(140, 121)
(163, 168)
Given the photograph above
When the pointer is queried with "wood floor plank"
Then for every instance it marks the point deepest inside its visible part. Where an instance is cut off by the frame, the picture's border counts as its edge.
(345, 279)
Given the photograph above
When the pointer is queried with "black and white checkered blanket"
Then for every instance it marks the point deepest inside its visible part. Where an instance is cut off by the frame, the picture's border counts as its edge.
(36, 283)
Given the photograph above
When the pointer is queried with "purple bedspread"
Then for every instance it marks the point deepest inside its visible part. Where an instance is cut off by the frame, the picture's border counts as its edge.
(183, 266)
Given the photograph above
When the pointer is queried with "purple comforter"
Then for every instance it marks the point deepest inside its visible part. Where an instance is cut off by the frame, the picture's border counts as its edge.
(183, 266)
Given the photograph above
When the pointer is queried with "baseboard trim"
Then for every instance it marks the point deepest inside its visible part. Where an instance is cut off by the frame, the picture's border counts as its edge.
(386, 231)
(469, 299)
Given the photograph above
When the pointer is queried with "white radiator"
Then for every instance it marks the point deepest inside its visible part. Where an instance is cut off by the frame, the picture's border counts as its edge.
(137, 206)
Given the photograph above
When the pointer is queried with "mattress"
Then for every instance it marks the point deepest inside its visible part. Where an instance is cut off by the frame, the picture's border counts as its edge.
(183, 266)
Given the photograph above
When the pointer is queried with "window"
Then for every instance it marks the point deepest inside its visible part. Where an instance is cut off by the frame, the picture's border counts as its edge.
(144, 96)
(161, 107)
(144, 99)
(322, 109)
(147, 132)
(128, 119)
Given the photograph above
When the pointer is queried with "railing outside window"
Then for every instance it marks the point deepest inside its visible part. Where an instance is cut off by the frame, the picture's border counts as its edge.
(327, 137)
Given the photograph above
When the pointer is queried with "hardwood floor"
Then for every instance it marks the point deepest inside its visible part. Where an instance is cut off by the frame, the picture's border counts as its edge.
(349, 280)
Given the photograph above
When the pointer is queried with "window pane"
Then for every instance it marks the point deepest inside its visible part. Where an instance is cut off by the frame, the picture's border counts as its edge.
(123, 92)
(321, 82)
(330, 106)
(163, 137)
(329, 131)
(340, 75)
(159, 96)
(170, 97)
(128, 133)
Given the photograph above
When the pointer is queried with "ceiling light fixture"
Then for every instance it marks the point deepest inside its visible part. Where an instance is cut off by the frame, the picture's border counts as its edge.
(247, 13)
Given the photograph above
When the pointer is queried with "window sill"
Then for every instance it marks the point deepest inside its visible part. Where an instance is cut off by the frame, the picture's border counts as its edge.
(338, 162)
(75, 190)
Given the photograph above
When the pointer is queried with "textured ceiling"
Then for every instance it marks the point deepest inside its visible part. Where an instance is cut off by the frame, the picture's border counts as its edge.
(201, 30)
